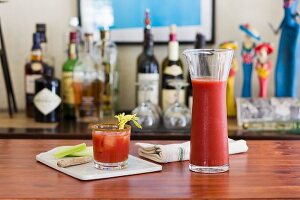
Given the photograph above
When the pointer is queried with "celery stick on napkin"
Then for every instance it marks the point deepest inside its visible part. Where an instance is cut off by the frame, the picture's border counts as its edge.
(179, 152)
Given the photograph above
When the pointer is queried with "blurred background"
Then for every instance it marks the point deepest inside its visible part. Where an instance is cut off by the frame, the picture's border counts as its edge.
(19, 17)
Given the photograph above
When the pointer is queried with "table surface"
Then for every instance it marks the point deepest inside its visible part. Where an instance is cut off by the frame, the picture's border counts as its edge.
(270, 169)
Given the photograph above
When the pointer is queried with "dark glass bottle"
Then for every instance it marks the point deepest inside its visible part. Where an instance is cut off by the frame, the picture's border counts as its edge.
(172, 69)
(67, 79)
(148, 70)
(33, 70)
(147, 31)
(47, 99)
(199, 44)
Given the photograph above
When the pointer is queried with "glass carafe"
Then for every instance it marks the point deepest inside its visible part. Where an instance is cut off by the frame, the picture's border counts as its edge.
(209, 70)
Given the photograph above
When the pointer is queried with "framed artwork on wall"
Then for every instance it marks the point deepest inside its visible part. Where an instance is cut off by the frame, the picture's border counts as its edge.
(125, 18)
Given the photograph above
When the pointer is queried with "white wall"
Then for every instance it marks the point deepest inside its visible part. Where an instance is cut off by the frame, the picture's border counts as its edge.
(19, 18)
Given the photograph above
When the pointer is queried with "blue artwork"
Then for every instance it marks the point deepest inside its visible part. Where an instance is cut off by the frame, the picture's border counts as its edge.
(130, 13)
(288, 60)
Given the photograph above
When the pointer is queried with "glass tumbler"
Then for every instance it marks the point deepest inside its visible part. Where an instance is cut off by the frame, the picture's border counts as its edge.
(209, 70)
(110, 146)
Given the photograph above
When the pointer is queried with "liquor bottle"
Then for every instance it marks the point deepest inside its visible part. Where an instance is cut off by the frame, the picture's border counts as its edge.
(199, 44)
(33, 70)
(147, 31)
(47, 97)
(172, 69)
(88, 78)
(67, 78)
(108, 52)
(148, 70)
(47, 59)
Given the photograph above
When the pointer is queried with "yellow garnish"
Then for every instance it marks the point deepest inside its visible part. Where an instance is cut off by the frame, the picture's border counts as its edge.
(123, 119)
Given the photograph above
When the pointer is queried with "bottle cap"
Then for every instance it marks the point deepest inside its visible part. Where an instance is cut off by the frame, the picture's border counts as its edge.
(41, 27)
(173, 32)
(200, 41)
(104, 34)
(73, 37)
(36, 38)
(87, 34)
(147, 18)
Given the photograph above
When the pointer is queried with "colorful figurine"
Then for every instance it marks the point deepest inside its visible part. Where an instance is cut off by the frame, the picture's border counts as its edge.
(248, 56)
(288, 60)
(263, 66)
(230, 99)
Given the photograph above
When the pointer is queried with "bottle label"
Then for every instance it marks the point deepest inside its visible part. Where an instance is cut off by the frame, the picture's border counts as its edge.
(152, 93)
(72, 51)
(30, 83)
(173, 70)
(46, 101)
(169, 98)
(67, 86)
(36, 66)
(190, 102)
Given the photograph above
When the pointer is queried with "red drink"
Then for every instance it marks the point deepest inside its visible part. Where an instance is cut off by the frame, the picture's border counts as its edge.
(209, 137)
(110, 146)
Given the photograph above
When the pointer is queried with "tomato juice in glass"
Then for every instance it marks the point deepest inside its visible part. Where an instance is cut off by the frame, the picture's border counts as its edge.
(110, 146)
(209, 137)
(209, 69)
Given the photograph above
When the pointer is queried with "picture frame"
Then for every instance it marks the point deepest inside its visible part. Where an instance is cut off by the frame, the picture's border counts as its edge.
(91, 17)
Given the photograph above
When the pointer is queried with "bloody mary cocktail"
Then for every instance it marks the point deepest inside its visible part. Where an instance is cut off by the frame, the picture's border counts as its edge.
(209, 69)
(209, 137)
(110, 146)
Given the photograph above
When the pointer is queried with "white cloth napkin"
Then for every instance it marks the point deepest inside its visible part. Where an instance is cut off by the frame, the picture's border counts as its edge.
(179, 152)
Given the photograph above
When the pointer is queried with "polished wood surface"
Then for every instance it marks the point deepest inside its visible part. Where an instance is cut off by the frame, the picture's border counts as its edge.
(270, 169)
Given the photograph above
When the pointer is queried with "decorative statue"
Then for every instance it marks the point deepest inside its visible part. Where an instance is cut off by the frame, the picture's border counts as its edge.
(230, 99)
(248, 56)
(263, 66)
(288, 60)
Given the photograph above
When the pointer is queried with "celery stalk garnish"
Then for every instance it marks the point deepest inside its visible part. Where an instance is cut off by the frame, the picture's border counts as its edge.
(123, 119)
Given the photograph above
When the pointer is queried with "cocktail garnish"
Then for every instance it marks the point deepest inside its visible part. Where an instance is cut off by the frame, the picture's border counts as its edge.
(123, 119)
(60, 153)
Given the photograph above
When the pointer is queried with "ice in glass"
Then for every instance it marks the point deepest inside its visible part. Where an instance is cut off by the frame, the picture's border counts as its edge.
(110, 146)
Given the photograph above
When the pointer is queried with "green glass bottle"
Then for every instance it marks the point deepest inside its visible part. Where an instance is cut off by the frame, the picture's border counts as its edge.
(67, 79)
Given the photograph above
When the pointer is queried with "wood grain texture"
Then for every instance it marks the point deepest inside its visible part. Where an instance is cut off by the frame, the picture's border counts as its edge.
(270, 169)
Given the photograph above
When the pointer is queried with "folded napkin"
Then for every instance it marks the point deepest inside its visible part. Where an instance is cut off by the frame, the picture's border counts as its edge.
(179, 152)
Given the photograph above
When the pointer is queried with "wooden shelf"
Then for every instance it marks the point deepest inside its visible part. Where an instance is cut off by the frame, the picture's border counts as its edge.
(22, 127)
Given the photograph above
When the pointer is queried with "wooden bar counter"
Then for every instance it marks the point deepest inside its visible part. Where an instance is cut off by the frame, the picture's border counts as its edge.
(270, 169)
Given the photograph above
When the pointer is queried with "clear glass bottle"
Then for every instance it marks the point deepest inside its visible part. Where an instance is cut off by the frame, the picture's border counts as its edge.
(107, 50)
(88, 80)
